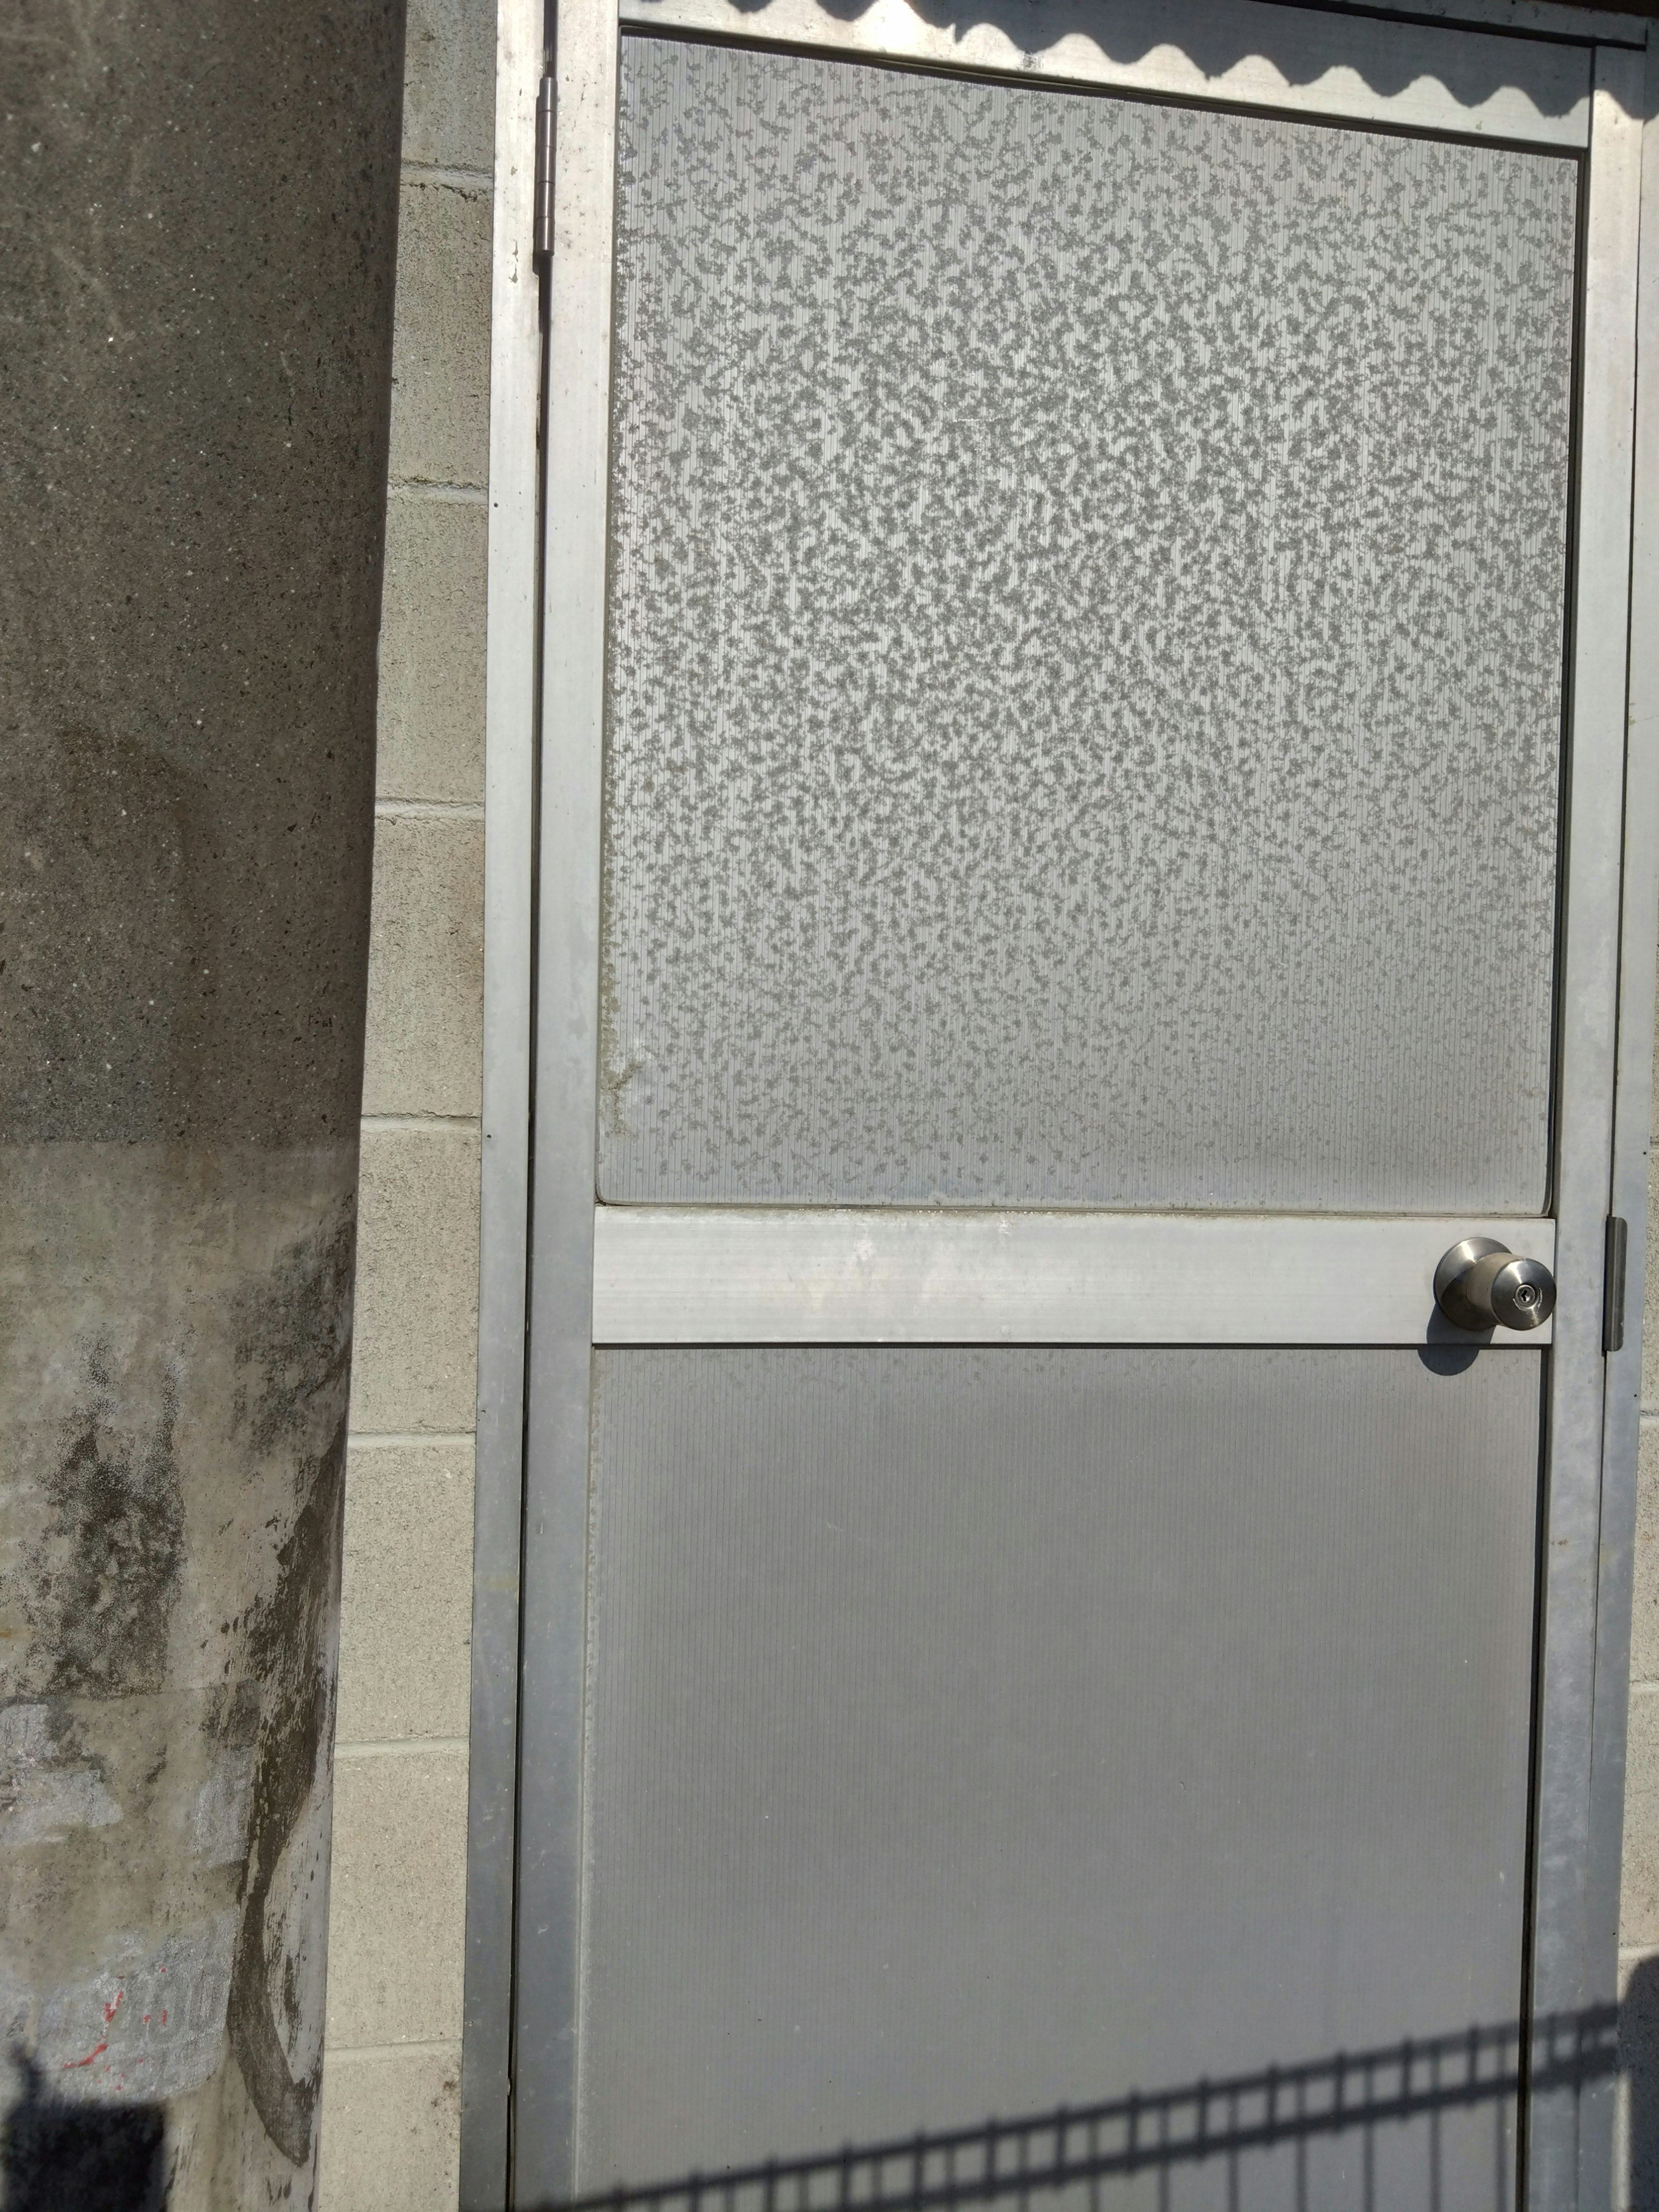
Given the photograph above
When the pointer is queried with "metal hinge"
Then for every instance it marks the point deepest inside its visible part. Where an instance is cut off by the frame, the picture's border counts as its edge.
(1612, 1292)
(544, 227)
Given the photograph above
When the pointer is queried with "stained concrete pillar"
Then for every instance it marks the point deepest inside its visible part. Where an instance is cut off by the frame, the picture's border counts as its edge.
(197, 216)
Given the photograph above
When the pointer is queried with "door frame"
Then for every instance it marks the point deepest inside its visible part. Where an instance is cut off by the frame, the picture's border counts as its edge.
(549, 461)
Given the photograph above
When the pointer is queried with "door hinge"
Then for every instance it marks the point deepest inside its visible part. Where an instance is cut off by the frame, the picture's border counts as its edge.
(543, 225)
(1612, 1292)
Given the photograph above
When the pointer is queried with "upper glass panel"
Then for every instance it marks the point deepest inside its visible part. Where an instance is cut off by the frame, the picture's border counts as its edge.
(1086, 648)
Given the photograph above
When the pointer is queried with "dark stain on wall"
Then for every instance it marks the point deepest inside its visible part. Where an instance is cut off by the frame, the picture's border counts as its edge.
(293, 1335)
(102, 1577)
(290, 1647)
(293, 1344)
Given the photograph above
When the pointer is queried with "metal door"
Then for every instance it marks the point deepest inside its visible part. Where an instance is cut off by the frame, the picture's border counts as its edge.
(1083, 748)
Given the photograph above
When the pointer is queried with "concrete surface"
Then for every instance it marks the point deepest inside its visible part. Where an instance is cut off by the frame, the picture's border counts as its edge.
(1638, 1917)
(198, 210)
(425, 1035)
(449, 84)
(406, 1592)
(399, 1877)
(432, 649)
(417, 1281)
(441, 353)
(391, 2130)
(1644, 1606)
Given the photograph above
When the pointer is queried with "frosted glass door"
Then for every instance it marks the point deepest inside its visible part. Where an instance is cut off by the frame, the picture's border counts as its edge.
(1084, 598)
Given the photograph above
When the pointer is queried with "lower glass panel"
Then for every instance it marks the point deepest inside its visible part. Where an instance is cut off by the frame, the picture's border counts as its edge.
(982, 1732)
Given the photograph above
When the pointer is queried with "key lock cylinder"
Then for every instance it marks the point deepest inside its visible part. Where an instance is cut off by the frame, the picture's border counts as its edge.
(1481, 1284)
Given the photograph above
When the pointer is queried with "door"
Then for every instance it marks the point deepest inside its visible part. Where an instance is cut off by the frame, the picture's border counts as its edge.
(1082, 757)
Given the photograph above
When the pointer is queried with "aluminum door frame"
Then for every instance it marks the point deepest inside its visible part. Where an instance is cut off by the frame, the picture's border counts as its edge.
(1563, 2155)
(1633, 1108)
(551, 372)
(513, 626)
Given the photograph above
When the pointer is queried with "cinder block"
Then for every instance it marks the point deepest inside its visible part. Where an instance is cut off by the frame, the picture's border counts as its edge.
(398, 1898)
(406, 1593)
(1644, 1609)
(440, 335)
(1639, 1913)
(414, 1357)
(431, 740)
(449, 83)
(392, 2132)
(423, 1050)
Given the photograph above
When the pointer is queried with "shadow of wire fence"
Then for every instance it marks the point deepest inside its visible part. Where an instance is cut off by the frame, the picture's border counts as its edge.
(1260, 2127)
(1403, 2097)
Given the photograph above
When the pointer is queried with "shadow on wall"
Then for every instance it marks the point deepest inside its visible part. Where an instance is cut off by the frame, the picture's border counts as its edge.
(1427, 2122)
(1638, 2062)
(73, 2156)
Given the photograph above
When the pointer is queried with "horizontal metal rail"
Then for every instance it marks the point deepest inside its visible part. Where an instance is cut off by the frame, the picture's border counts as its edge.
(880, 1275)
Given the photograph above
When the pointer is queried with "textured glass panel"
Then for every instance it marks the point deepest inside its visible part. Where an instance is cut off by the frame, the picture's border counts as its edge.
(975, 1732)
(1086, 648)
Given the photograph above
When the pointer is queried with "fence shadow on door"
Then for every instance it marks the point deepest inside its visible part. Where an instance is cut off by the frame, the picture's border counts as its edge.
(1220, 2124)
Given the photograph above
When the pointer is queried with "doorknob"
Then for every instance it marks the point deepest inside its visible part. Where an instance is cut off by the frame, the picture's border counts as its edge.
(1482, 1285)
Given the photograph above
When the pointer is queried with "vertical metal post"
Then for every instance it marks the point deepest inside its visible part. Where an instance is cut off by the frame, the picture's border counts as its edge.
(509, 843)
(1599, 2184)
(577, 433)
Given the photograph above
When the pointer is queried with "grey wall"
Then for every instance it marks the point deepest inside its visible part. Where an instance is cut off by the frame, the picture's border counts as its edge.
(196, 232)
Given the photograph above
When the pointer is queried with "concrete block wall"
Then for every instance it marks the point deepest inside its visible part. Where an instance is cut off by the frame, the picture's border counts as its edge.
(391, 2103)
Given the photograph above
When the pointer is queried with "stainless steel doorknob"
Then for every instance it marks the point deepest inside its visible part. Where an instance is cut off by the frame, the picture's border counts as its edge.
(1481, 1284)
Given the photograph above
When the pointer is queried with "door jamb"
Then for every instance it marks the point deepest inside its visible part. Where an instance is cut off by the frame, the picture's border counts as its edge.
(512, 625)
(1632, 1114)
(1557, 2122)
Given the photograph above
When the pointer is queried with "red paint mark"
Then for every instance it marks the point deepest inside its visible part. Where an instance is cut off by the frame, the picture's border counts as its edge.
(110, 2010)
(146, 2019)
(164, 2016)
(69, 2064)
